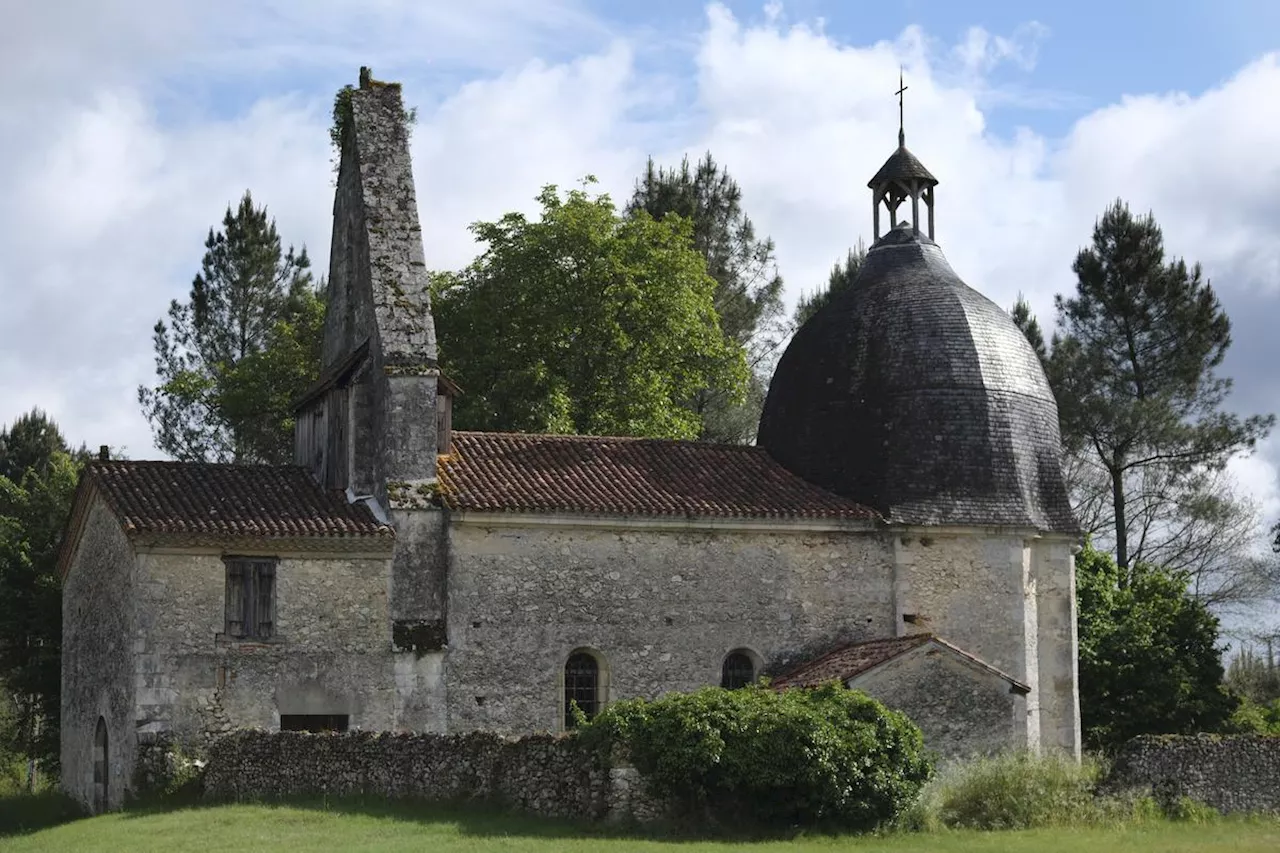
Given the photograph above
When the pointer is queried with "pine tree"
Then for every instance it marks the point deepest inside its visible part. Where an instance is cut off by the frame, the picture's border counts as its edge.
(748, 296)
(839, 280)
(1030, 326)
(231, 357)
(29, 443)
(1134, 366)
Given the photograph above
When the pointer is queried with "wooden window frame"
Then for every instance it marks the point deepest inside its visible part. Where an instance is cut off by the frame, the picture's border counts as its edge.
(250, 602)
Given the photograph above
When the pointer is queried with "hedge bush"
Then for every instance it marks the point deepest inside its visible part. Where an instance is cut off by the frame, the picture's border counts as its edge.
(827, 756)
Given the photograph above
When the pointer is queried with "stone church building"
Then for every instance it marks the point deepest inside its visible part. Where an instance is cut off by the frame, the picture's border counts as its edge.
(902, 525)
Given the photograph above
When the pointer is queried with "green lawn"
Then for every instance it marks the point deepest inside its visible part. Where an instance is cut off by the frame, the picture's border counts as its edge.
(383, 828)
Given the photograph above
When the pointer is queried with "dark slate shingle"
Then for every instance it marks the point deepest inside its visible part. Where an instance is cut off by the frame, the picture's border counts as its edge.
(913, 394)
(901, 165)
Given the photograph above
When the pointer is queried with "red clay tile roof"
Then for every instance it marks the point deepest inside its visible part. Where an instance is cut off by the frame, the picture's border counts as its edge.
(495, 472)
(236, 500)
(847, 662)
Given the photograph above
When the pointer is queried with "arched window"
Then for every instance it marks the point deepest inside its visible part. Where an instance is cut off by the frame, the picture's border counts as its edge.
(738, 670)
(581, 686)
(101, 767)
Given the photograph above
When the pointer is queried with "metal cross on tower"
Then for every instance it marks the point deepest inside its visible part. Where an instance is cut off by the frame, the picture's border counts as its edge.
(902, 136)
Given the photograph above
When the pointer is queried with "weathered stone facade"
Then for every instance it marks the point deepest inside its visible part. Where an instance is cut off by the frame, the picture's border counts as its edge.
(331, 653)
(658, 605)
(98, 618)
(962, 709)
(1007, 598)
(1233, 774)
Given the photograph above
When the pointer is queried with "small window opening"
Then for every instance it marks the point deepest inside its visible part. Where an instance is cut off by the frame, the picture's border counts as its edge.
(314, 723)
(738, 671)
(251, 598)
(581, 686)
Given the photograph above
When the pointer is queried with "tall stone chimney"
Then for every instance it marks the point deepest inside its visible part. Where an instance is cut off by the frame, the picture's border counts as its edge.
(370, 424)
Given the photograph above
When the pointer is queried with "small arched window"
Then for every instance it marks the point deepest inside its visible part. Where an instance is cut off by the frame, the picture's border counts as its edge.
(101, 768)
(738, 670)
(581, 686)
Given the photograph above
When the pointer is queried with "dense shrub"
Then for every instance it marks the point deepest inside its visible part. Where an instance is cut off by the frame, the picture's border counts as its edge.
(828, 756)
(1011, 791)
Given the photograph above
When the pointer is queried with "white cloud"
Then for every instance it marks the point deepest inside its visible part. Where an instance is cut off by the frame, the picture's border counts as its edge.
(116, 188)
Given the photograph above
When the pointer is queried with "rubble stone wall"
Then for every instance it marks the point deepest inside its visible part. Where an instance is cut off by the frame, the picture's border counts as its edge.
(546, 775)
(1238, 773)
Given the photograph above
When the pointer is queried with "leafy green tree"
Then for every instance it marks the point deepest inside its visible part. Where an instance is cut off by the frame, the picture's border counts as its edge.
(34, 505)
(1134, 366)
(231, 357)
(1149, 656)
(840, 279)
(584, 321)
(748, 292)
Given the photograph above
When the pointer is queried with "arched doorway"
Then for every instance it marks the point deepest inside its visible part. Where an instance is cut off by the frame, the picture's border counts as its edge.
(100, 767)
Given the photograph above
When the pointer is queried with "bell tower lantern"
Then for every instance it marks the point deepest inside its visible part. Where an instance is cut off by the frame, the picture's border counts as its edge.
(902, 177)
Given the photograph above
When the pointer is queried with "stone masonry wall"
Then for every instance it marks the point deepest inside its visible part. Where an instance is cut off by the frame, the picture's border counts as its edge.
(961, 709)
(331, 653)
(1007, 600)
(97, 659)
(539, 774)
(1232, 774)
(659, 608)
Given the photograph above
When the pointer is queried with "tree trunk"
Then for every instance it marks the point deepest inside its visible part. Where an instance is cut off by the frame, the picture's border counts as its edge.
(1116, 470)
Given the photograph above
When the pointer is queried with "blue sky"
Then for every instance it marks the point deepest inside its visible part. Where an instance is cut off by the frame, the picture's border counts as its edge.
(1086, 54)
(129, 126)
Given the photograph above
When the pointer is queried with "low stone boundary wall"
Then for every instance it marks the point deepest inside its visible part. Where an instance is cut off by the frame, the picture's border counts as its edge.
(538, 774)
(1232, 773)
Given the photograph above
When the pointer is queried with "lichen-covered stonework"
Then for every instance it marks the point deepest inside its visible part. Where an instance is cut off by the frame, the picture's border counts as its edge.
(99, 604)
(660, 608)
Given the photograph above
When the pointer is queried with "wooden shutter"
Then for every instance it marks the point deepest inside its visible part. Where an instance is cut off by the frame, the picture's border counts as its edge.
(236, 587)
(265, 594)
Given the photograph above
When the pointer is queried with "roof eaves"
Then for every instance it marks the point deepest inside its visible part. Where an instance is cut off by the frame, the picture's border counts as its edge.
(337, 373)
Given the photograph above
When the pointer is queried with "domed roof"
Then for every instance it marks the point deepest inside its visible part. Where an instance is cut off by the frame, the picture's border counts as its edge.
(914, 394)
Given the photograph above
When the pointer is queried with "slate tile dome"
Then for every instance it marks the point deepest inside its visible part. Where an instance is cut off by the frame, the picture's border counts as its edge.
(914, 394)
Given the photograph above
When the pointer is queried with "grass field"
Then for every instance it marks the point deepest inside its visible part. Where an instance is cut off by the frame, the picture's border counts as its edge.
(387, 828)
